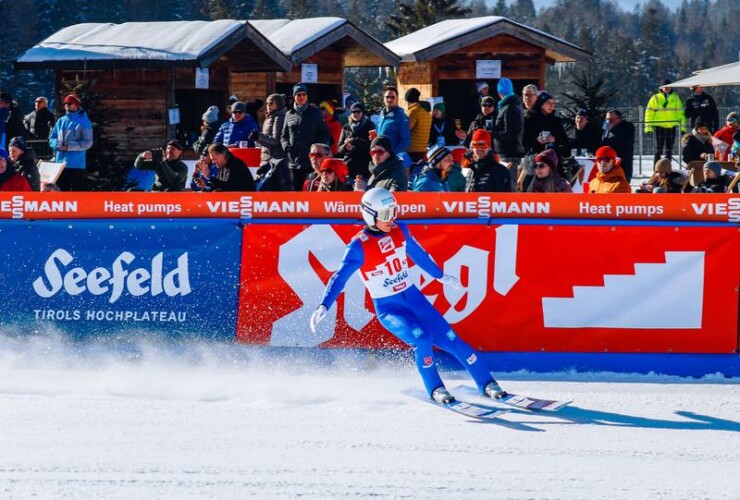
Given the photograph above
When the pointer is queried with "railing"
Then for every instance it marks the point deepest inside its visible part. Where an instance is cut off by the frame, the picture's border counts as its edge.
(645, 144)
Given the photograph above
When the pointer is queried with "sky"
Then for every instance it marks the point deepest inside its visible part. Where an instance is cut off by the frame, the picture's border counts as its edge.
(626, 5)
(197, 421)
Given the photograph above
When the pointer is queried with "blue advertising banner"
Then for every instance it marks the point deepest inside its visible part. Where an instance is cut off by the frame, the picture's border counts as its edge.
(95, 277)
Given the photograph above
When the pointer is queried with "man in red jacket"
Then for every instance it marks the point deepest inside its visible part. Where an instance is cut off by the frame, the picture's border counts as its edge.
(10, 180)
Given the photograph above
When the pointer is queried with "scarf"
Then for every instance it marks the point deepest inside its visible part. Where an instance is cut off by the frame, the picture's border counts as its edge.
(701, 138)
(355, 126)
(300, 109)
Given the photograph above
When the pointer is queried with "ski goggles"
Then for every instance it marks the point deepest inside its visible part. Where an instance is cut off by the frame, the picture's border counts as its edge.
(387, 214)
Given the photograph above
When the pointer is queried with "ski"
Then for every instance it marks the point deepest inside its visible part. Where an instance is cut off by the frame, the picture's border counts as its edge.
(465, 408)
(517, 401)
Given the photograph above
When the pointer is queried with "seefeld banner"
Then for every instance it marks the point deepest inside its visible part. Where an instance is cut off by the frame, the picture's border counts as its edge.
(100, 277)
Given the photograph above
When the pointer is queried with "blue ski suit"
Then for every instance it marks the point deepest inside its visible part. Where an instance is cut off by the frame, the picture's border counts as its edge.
(401, 308)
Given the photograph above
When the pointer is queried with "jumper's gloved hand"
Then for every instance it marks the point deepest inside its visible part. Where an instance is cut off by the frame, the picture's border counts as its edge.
(318, 315)
(450, 280)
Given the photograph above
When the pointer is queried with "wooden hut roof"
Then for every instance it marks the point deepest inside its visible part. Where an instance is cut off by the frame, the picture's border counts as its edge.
(299, 39)
(149, 45)
(447, 36)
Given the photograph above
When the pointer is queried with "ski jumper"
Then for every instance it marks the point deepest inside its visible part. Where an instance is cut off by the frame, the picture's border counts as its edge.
(401, 308)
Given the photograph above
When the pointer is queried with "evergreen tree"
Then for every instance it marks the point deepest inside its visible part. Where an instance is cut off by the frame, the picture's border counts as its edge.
(588, 94)
(522, 11)
(500, 9)
(656, 56)
(265, 9)
(422, 13)
(298, 9)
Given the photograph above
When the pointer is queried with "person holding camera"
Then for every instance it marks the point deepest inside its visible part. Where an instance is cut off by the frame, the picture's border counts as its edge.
(171, 172)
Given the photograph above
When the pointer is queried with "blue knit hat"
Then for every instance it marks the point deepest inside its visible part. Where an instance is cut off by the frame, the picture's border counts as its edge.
(300, 87)
(505, 87)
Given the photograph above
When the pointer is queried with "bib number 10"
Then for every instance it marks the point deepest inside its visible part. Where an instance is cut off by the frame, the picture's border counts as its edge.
(394, 265)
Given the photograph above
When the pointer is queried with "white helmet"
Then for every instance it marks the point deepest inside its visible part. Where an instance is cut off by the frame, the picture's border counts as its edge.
(378, 204)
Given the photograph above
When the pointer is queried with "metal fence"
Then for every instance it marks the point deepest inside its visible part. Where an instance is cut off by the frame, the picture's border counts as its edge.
(645, 144)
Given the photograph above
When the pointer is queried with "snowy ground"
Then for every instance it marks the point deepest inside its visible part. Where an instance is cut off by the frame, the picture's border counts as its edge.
(216, 421)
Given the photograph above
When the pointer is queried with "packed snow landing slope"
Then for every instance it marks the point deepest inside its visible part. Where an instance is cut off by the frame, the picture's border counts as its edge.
(157, 420)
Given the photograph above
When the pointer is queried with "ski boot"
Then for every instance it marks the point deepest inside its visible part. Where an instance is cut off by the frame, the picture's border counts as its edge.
(442, 396)
(494, 391)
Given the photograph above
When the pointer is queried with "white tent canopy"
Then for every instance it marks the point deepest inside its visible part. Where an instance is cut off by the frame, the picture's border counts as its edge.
(727, 74)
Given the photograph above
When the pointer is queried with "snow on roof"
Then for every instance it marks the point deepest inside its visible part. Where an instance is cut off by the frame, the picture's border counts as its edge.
(291, 35)
(451, 29)
(154, 41)
(438, 33)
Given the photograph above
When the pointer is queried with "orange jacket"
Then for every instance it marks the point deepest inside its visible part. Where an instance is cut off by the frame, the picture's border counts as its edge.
(614, 181)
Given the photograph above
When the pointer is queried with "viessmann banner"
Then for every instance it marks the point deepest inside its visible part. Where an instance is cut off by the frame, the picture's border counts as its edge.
(100, 277)
(686, 207)
(564, 288)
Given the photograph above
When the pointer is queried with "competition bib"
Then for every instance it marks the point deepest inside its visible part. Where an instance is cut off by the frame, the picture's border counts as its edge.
(385, 270)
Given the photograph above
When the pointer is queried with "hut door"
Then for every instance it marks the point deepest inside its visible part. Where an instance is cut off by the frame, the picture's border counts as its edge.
(193, 103)
(460, 99)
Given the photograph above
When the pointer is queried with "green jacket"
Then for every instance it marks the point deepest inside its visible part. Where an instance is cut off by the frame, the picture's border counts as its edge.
(664, 112)
(170, 175)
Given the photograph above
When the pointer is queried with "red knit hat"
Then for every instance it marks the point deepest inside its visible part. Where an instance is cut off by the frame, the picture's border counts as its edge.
(481, 135)
(72, 99)
(548, 157)
(606, 152)
(337, 166)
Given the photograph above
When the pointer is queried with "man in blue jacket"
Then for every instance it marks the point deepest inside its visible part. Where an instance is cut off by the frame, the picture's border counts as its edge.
(71, 136)
(394, 124)
(237, 128)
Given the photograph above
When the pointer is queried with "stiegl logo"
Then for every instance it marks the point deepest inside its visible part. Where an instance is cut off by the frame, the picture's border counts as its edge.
(116, 280)
(19, 207)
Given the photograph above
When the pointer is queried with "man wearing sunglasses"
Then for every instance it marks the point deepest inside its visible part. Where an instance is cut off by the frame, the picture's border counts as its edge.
(238, 128)
(394, 124)
(304, 125)
(488, 175)
(387, 170)
(610, 178)
(317, 155)
(379, 252)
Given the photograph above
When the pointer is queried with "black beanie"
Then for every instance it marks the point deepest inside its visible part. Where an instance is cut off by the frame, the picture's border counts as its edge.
(700, 122)
(384, 142)
(412, 95)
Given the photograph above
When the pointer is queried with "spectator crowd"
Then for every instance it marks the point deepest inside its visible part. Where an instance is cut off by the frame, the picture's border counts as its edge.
(507, 143)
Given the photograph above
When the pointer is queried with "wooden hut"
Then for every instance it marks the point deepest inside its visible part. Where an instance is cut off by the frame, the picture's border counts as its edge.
(155, 79)
(327, 44)
(448, 58)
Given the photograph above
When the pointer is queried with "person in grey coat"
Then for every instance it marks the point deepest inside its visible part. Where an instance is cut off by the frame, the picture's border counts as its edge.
(272, 128)
(304, 125)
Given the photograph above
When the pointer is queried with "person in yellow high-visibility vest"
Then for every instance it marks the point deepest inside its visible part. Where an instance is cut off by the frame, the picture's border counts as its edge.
(663, 114)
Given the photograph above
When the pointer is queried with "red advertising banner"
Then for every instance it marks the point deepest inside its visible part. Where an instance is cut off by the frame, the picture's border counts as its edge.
(93, 205)
(553, 288)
